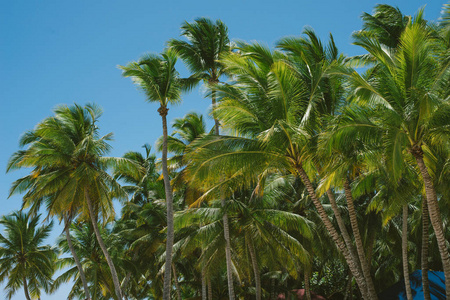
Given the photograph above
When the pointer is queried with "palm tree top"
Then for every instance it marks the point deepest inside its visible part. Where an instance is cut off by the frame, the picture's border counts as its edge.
(157, 77)
(207, 40)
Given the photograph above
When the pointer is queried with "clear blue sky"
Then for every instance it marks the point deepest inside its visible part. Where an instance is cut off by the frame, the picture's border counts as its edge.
(61, 52)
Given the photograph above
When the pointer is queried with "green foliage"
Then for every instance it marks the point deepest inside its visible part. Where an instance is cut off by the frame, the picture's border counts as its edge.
(23, 258)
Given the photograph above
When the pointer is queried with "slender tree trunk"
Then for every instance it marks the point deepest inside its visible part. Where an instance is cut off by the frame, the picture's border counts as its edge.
(405, 253)
(210, 293)
(370, 246)
(307, 287)
(226, 232)
(358, 240)
(424, 252)
(169, 206)
(334, 234)
(114, 276)
(177, 285)
(212, 82)
(75, 257)
(435, 217)
(25, 288)
(125, 284)
(345, 235)
(255, 266)
(349, 291)
(204, 297)
(273, 294)
(126, 281)
(226, 228)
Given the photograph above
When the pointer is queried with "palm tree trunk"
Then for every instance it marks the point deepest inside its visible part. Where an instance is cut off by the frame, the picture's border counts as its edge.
(77, 260)
(424, 252)
(226, 228)
(307, 287)
(25, 288)
(126, 281)
(371, 242)
(204, 296)
(349, 291)
(212, 82)
(169, 206)
(435, 217)
(358, 241)
(210, 293)
(345, 235)
(226, 232)
(334, 234)
(177, 285)
(114, 276)
(255, 266)
(273, 294)
(405, 253)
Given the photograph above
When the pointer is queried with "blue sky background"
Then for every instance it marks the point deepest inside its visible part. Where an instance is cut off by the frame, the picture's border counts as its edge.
(61, 52)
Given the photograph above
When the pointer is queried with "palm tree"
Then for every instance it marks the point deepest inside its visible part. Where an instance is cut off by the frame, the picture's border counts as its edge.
(407, 89)
(70, 170)
(187, 129)
(262, 234)
(207, 42)
(92, 259)
(157, 77)
(144, 186)
(387, 24)
(34, 203)
(24, 260)
(277, 109)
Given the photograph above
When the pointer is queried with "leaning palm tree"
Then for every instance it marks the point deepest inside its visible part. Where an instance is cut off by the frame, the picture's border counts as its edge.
(70, 171)
(30, 183)
(407, 93)
(94, 263)
(157, 77)
(24, 261)
(277, 108)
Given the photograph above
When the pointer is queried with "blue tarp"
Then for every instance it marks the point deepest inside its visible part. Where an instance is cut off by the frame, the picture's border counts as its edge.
(437, 287)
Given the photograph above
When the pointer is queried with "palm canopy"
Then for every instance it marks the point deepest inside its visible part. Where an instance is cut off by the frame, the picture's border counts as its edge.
(386, 23)
(66, 154)
(145, 185)
(404, 95)
(24, 261)
(206, 42)
(157, 77)
(274, 106)
(186, 130)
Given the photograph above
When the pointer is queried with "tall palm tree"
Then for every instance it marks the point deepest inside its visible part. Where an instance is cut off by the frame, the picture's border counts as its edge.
(277, 109)
(70, 170)
(24, 260)
(157, 77)
(207, 42)
(387, 24)
(408, 90)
